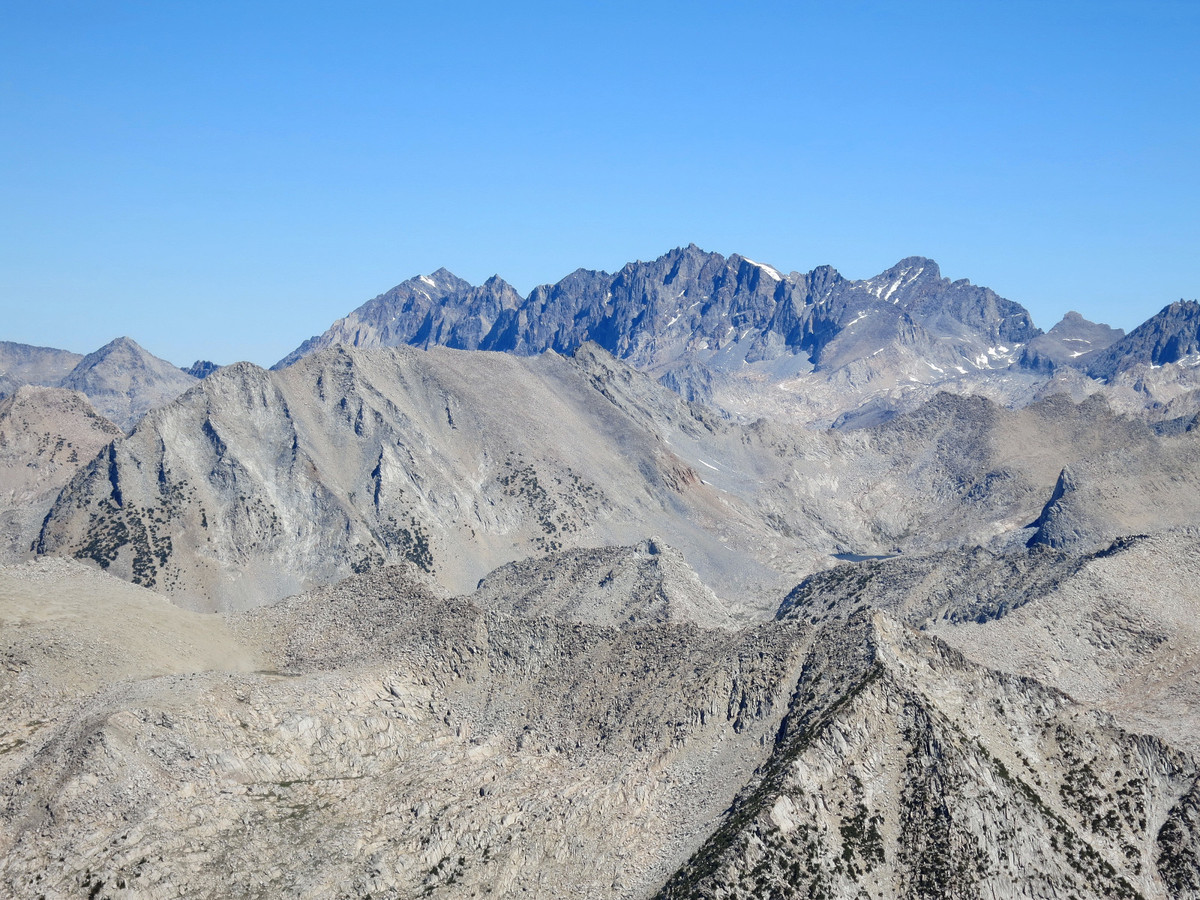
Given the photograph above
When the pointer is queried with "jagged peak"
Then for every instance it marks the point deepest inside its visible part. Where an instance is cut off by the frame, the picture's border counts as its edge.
(444, 274)
(440, 279)
(1180, 309)
(923, 266)
(691, 250)
(201, 368)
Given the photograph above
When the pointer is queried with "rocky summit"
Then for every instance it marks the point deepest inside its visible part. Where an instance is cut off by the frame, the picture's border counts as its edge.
(694, 580)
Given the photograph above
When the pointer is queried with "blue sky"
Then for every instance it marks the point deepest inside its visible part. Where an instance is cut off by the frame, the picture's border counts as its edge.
(222, 180)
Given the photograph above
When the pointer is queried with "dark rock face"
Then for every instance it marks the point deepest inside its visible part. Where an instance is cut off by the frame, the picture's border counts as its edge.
(690, 305)
(201, 368)
(430, 310)
(1165, 338)
(1060, 524)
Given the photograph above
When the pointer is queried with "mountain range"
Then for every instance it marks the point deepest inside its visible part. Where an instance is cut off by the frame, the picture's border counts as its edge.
(695, 580)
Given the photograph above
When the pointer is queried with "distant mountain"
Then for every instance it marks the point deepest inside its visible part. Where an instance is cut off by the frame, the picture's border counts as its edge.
(121, 379)
(24, 364)
(1067, 341)
(691, 308)
(429, 310)
(124, 381)
(201, 368)
(1167, 337)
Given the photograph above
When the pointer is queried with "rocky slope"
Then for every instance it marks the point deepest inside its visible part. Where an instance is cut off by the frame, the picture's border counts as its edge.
(617, 586)
(689, 302)
(201, 368)
(934, 772)
(930, 776)
(374, 738)
(46, 436)
(429, 310)
(408, 746)
(121, 379)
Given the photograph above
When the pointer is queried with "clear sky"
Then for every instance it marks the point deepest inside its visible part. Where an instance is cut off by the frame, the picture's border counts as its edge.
(222, 180)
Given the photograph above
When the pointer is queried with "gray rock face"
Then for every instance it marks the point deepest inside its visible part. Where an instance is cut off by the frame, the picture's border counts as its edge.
(121, 379)
(901, 783)
(411, 745)
(1129, 488)
(373, 737)
(894, 784)
(256, 485)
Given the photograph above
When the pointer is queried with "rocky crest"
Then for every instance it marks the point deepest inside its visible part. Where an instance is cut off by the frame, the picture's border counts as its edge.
(711, 326)
(1167, 337)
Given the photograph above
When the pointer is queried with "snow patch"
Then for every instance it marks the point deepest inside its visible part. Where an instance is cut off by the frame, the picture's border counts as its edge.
(429, 281)
(884, 290)
(710, 465)
(770, 273)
